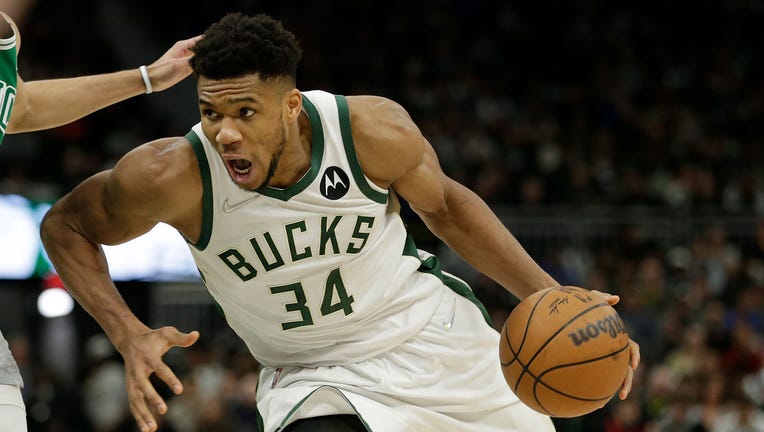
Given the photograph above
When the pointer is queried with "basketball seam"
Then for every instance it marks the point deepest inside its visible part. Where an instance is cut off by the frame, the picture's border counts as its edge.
(509, 345)
(547, 341)
(538, 380)
(563, 327)
(522, 341)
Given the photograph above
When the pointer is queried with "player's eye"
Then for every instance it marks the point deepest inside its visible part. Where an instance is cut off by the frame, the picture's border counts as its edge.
(246, 112)
(210, 114)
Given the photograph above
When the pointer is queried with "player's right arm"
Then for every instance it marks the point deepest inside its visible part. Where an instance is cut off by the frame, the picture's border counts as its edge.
(153, 183)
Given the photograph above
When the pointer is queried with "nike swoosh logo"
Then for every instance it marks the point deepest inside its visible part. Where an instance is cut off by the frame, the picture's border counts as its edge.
(449, 324)
(230, 208)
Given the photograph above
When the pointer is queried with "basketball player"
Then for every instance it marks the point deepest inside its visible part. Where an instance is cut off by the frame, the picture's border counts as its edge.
(288, 202)
(48, 103)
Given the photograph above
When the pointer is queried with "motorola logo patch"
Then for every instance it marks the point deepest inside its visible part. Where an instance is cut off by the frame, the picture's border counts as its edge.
(334, 183)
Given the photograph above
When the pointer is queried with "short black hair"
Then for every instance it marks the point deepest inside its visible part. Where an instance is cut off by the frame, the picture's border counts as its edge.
(240, 44)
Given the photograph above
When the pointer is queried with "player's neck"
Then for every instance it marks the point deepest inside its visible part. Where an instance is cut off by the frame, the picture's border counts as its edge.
(296, 158)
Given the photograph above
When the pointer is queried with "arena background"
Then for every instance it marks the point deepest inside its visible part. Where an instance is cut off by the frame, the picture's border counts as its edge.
(620, 141)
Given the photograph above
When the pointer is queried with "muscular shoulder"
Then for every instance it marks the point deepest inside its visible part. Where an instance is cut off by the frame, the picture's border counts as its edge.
(155, 180)
(387, 140)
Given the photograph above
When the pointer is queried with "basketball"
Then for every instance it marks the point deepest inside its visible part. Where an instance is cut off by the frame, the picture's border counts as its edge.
(564, 351)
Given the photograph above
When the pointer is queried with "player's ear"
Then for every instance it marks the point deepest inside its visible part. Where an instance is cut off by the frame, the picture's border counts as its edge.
(294, 104)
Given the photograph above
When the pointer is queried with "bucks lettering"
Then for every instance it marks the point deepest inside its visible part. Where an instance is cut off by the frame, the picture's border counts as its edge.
(611, 325)
(297, 241)
(303, 241)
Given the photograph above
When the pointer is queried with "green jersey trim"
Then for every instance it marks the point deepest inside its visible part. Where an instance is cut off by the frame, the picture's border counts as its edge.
(8, 43)
(431, 265)
(204, 168)
(355, 165)
(299, 404)
(317, 153)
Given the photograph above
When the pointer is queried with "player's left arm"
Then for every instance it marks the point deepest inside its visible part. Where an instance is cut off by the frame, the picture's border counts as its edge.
(44, 104)
(394, 153)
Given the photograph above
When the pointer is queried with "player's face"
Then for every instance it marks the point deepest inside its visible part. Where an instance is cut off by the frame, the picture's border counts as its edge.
(245, 119)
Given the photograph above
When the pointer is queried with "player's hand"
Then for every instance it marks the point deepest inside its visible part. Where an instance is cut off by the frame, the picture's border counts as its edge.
(633, 349)
(173, 66)
(143, 356)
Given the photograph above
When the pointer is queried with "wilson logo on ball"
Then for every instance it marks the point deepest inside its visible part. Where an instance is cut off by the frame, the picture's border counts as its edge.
(610, 325)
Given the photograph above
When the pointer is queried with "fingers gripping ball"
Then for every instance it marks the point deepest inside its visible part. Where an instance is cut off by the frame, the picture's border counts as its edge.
(564, 351)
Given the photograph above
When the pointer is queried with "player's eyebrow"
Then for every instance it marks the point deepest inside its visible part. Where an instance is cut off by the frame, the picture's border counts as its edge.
(239, 99)
(233, 100)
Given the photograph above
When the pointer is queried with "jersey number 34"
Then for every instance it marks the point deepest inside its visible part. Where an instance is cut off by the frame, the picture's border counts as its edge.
(335, 299)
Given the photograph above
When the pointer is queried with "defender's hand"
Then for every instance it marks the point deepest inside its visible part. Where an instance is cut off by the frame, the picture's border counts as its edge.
(173, 66)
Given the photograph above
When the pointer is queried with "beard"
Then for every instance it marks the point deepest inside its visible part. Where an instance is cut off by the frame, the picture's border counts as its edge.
(275, 159)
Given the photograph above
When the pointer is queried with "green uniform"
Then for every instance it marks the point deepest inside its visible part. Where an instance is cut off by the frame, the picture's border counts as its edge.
(9, 372)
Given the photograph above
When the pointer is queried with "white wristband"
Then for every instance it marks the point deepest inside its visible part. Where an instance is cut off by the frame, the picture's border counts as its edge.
(146, 80)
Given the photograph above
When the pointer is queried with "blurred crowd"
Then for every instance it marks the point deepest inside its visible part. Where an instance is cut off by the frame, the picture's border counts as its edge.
(581, 102)
(533, 105)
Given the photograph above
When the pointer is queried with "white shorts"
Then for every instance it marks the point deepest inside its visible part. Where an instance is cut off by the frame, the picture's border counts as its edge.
(12, 411)
(441, 380)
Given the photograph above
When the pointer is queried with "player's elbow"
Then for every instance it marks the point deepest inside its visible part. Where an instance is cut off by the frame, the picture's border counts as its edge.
(61, 221)
(20, 120)
(450, 206)
(52, 226)
(435, 212)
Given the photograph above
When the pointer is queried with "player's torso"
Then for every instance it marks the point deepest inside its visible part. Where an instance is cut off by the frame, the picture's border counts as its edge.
(8, 76)
(312, 273)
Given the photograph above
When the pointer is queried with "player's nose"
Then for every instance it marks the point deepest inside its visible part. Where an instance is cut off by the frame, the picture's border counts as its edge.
(228, 134)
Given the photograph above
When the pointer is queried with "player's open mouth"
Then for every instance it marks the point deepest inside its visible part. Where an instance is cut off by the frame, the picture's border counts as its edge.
(240, 166)
(240, 170)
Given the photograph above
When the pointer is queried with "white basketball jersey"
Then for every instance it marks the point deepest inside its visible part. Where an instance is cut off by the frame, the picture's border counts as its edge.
(322, 272)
